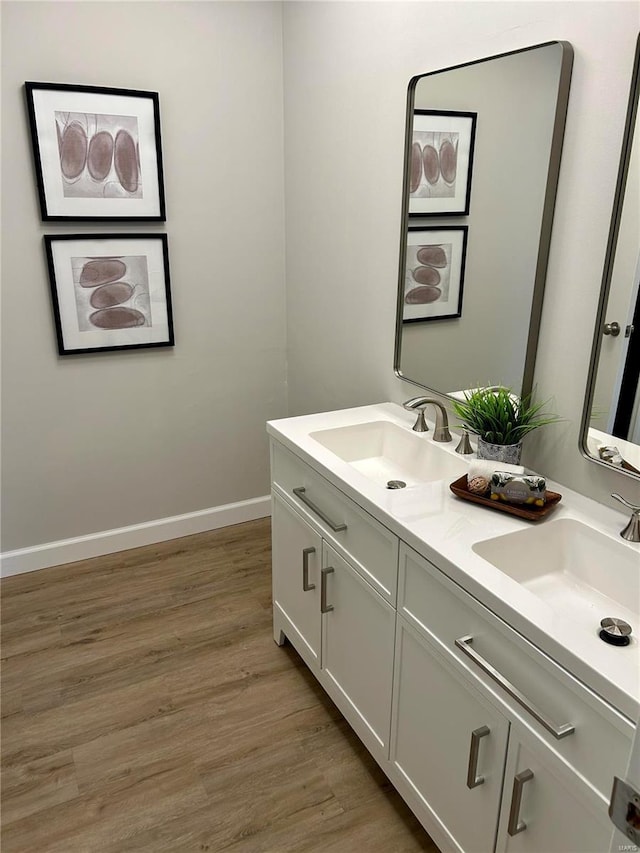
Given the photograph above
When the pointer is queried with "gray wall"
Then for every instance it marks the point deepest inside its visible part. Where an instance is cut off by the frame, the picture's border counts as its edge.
(91, 443)
(347, 66)
(97, 442)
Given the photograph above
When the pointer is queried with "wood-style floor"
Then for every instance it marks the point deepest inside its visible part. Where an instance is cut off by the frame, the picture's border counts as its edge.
(146, 708)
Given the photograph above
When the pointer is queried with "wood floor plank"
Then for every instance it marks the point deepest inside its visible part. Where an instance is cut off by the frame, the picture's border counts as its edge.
(38, 638)
(27, 737)
(31, 787)
(119, 810)
(11, 700)
(343, 762)
(147, 709)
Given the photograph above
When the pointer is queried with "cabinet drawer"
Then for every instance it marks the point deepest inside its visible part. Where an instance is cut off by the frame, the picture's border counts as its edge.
(599, 747)
(367, 544)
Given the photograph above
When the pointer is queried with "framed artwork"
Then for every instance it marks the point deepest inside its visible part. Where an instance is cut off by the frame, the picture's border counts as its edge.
(434, 273)
(97, 152)
(110, 291)
(440, 163)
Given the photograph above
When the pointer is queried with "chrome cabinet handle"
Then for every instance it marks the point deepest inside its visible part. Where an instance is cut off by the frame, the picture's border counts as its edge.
(324, 607)
(464, 644)
(306, 553)
(473, 780)
(299, 492)
(516, 825)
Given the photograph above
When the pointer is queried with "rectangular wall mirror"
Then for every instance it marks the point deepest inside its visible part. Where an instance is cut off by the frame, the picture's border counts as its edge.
(482, 158)
(611, 419)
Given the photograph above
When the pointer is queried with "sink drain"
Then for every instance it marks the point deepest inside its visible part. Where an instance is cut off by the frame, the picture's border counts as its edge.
(615, 631)
(396, 484)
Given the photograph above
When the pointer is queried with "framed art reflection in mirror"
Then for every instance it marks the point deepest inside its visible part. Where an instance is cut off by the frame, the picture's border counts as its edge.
(434, 272)
(441, 162)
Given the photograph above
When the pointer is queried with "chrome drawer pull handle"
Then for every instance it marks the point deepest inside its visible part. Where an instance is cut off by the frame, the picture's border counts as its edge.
(306, 553)
(299, 492)
(515, 824)
(324, 607)
(473, 780)
(464, 644)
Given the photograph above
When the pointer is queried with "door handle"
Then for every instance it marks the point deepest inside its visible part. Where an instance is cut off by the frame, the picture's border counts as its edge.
(612, 329)
(306, 553)
(324, 607)
(473, 780)
(515, 824)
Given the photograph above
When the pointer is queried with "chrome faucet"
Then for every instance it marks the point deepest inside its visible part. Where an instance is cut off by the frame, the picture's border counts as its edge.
(632, 530)
(441, 430)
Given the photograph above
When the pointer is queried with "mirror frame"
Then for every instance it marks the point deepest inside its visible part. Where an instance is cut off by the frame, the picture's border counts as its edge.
(546, 222)
(614, 228)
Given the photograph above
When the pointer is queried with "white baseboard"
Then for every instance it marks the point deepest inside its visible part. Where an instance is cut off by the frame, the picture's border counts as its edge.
(123, 538)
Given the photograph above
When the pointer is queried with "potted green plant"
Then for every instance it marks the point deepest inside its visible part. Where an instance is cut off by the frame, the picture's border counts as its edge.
(501, 420)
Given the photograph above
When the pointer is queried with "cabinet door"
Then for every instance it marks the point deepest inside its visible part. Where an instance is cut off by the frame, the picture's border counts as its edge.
(449, 743)
(546, 806)
(296, 559)
(357, 651)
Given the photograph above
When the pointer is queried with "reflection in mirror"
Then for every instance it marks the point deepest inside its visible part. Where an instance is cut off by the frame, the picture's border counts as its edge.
(482, 159)
(611, 420)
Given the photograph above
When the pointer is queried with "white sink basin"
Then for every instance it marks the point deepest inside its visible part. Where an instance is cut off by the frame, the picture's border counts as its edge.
(579, 572)
(384, 451)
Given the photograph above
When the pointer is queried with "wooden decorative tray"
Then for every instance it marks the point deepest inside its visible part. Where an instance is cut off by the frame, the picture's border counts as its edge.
(530, 513)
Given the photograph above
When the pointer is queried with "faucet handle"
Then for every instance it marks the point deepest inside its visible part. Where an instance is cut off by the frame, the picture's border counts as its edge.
(420, 424)
(464, 445)
(632, 531)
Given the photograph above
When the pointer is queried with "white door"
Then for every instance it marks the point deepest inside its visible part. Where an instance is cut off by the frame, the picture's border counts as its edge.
(449, 742)
(357, 651)
(545, 805)
(296, 560)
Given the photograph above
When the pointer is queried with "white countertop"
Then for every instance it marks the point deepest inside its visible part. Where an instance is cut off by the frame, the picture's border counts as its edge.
(443, 528)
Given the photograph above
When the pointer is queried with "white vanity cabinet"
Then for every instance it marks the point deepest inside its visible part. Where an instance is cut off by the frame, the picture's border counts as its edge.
(450, 743)
(331, 592)
(494, 746)
(547, 747)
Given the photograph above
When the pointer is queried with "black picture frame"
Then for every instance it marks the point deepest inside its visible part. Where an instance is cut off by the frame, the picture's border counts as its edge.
(434, 265)
(110, 291)
(440, 162)
(97, 153)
